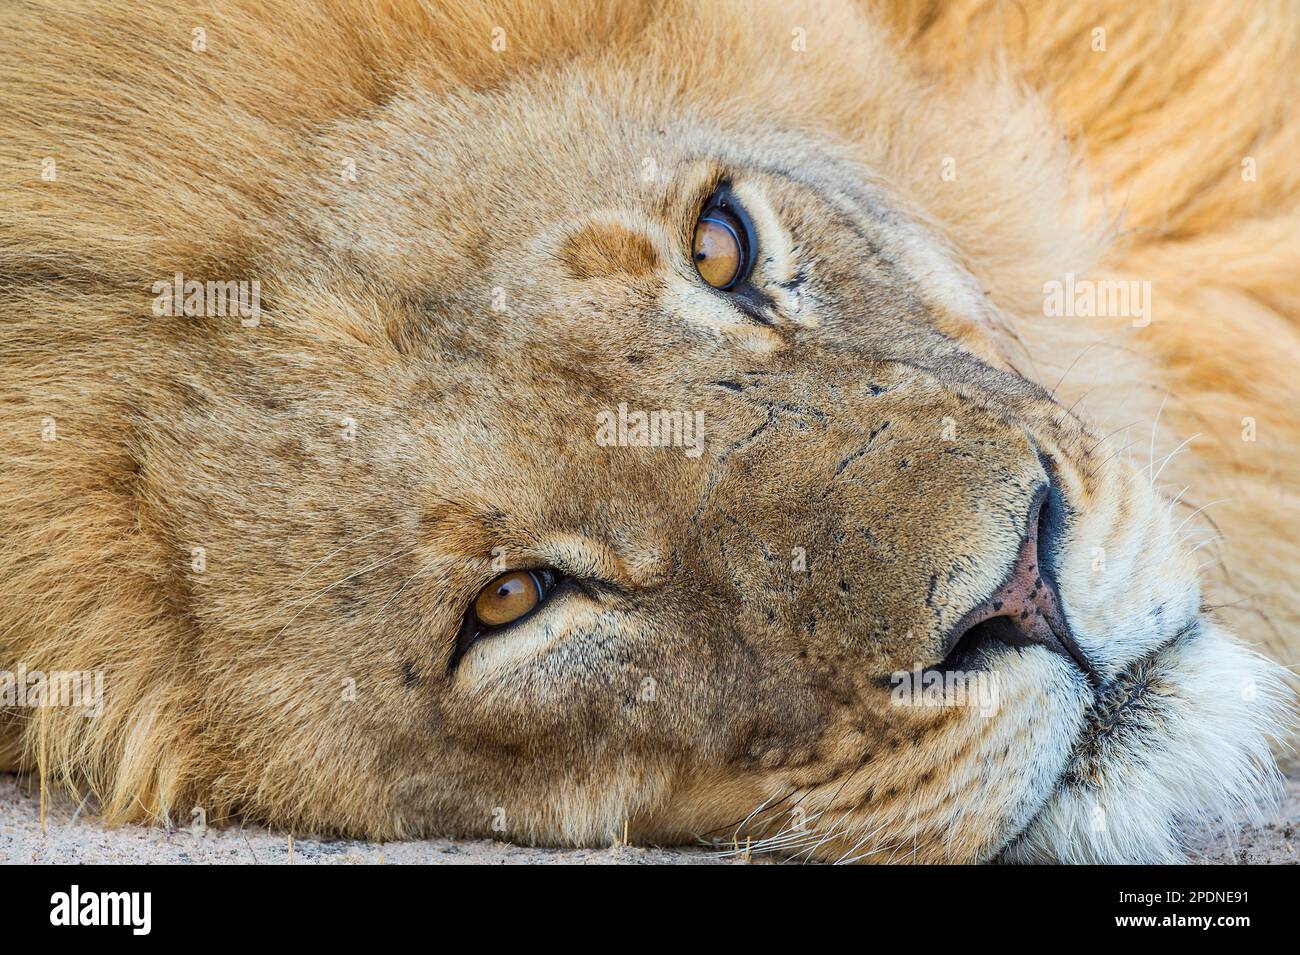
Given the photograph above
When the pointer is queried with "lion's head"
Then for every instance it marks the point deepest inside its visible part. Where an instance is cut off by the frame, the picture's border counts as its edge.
(637, 428)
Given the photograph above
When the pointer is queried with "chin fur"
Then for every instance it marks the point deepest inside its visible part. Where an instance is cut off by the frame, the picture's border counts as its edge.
(1181, 740)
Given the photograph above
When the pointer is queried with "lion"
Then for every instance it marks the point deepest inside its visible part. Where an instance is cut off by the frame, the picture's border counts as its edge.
(863, 430)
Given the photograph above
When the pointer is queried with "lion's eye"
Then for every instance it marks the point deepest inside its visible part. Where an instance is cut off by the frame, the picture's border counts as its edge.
(722, 245)
(512, 596)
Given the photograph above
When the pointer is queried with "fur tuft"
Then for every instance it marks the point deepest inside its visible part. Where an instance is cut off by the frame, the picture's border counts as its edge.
(1178, 770)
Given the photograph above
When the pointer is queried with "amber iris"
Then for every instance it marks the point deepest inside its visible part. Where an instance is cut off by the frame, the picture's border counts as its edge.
(512, 595)
(719, 248)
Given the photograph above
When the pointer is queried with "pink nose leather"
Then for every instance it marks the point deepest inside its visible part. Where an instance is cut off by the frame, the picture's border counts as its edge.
(1029, 603)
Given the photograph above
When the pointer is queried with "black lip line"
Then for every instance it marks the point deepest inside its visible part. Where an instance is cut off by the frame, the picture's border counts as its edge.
(1188, 631)
(1058, 512)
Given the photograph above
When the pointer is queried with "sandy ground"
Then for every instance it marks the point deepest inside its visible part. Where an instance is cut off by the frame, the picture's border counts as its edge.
(72, 835)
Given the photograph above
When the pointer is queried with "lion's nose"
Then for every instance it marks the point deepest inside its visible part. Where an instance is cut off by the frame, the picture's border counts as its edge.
(1026, 609)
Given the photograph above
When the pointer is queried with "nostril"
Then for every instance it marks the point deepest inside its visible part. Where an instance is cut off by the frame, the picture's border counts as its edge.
(966, 652)
(1025, 610)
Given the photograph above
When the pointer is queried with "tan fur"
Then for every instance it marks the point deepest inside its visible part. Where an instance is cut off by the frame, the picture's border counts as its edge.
(440, 330)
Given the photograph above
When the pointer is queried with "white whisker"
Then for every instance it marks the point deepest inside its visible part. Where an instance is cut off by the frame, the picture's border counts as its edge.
(312, 598)
(1168, 457)
(1203, 507)
(1151, 458)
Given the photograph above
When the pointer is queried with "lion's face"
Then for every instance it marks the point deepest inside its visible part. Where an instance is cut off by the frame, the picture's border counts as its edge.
(859, 496)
